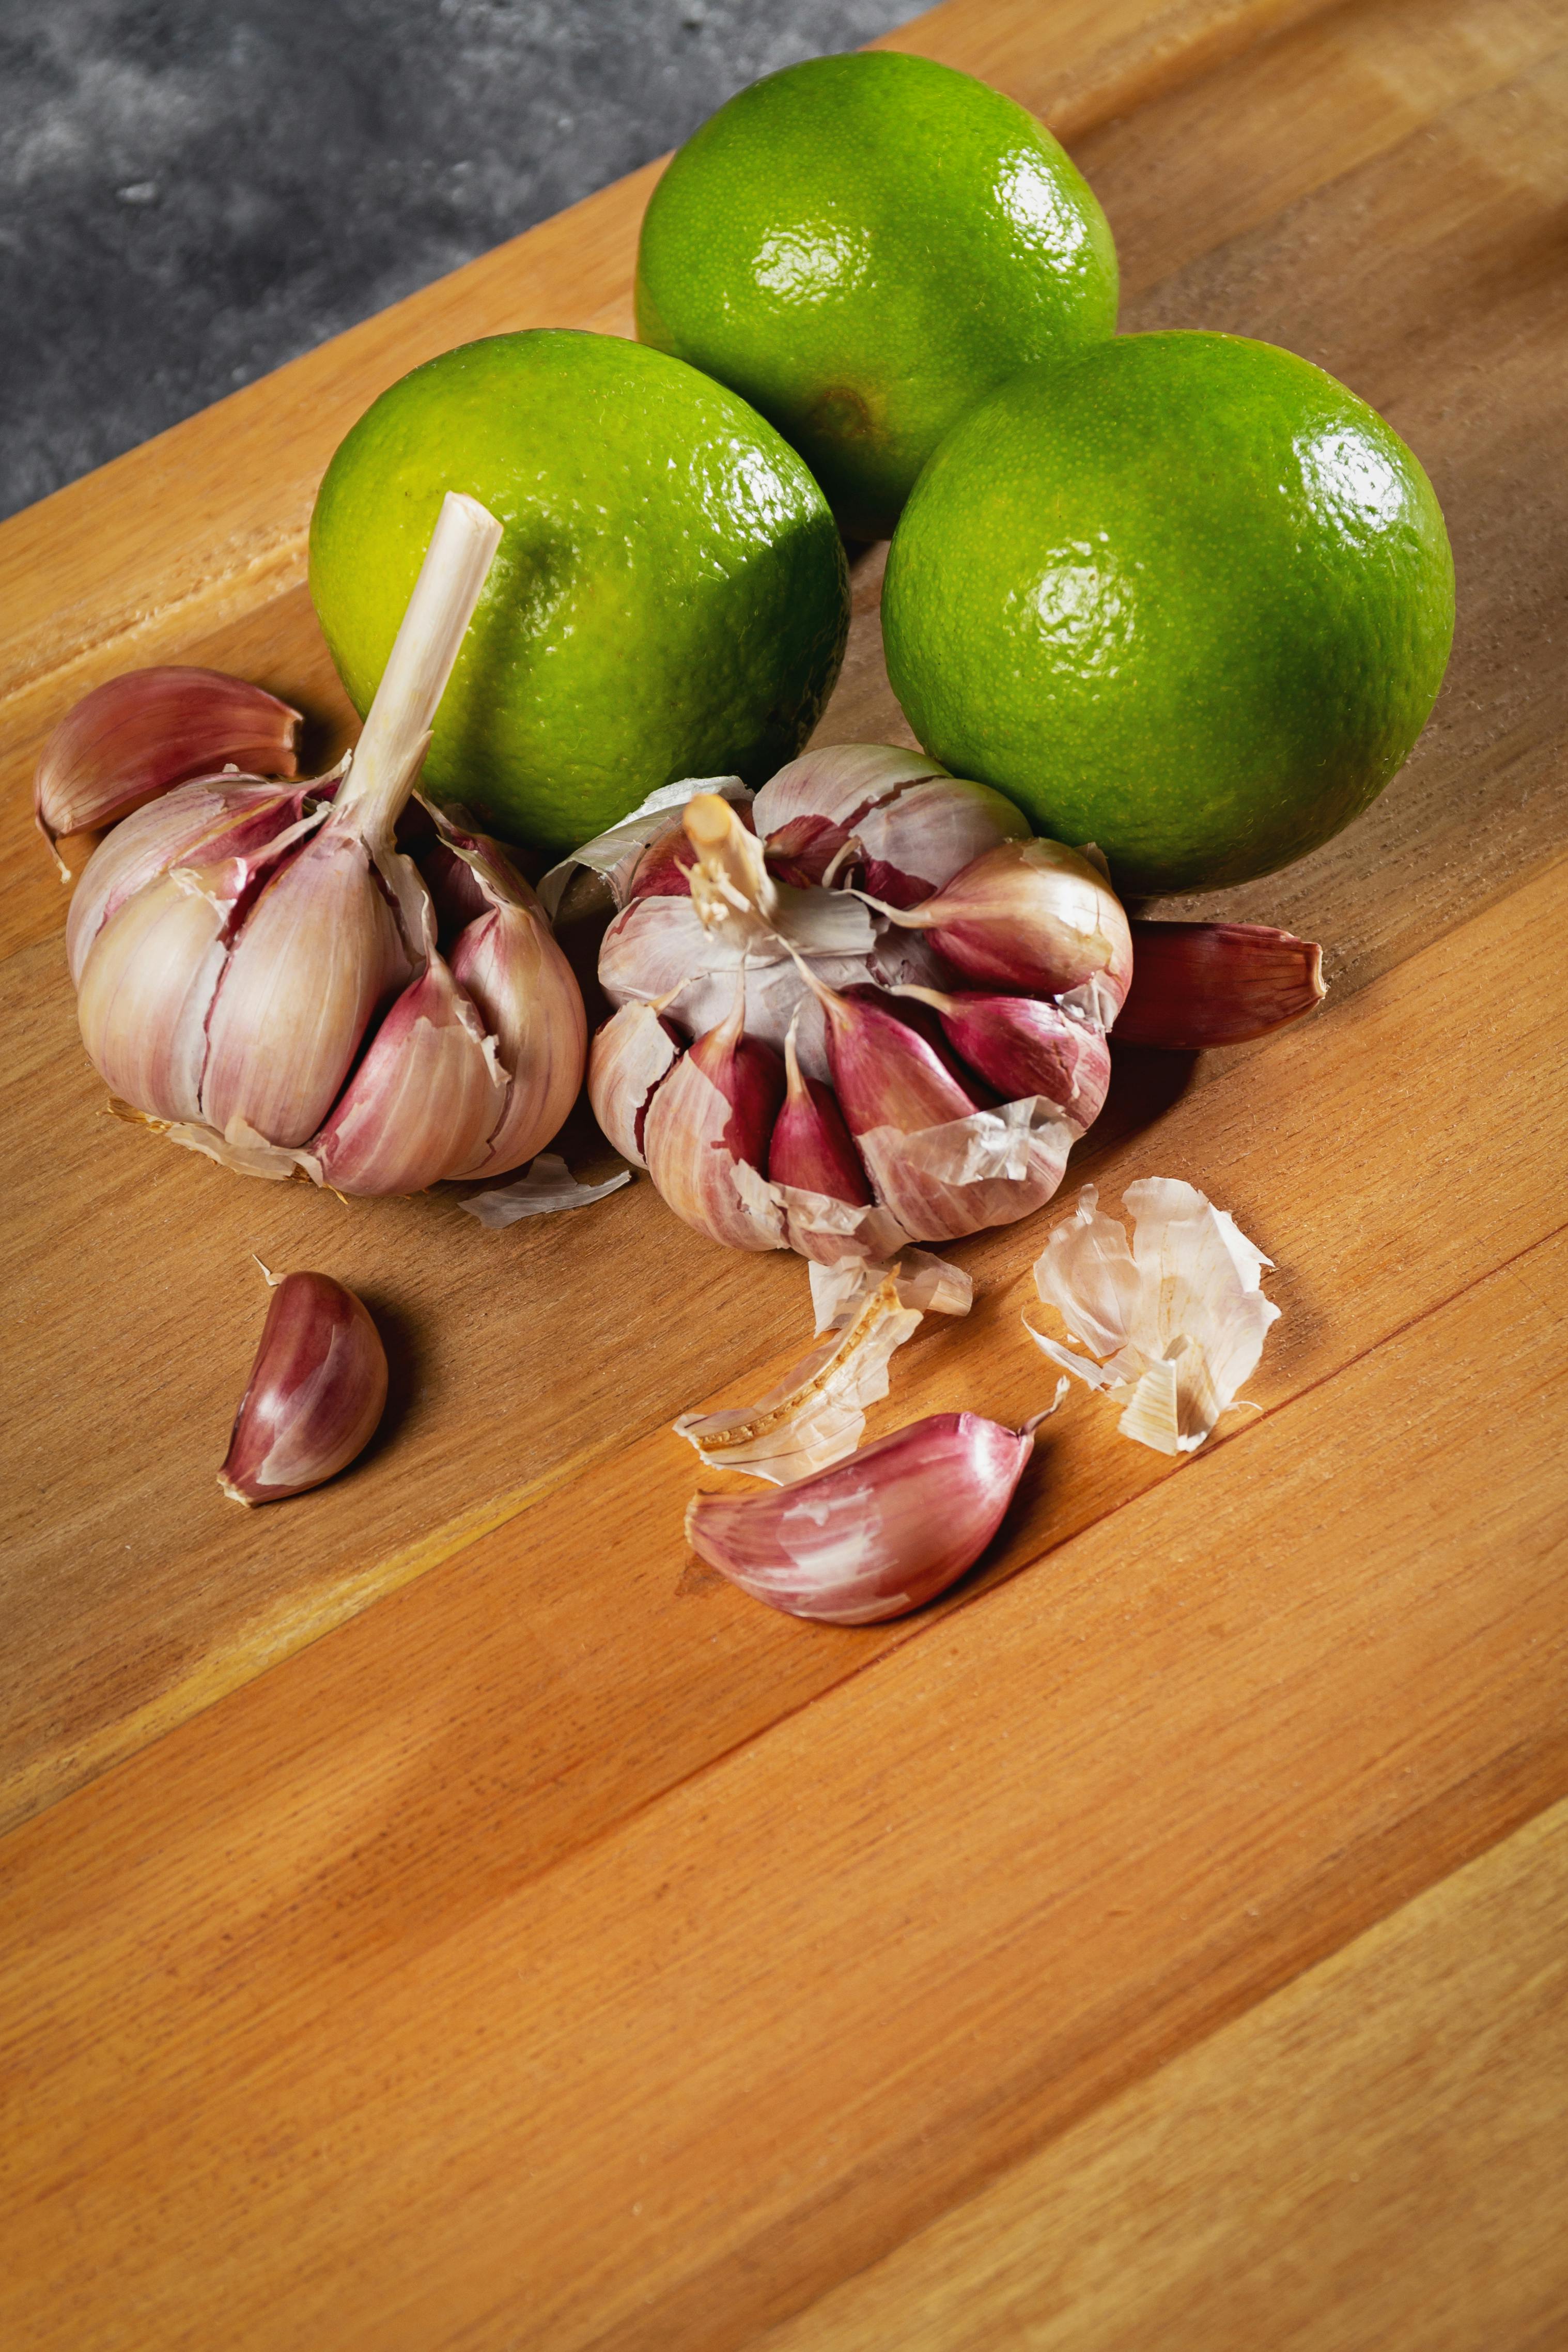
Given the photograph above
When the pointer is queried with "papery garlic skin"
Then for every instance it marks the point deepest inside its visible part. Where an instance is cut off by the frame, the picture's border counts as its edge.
(1179, 1311)
(316, 1394)
(135, 735)
(262, 971)
(875, 1535)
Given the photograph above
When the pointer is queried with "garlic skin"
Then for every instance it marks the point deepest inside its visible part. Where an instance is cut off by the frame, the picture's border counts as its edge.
(872, 1537)
(315, 1396)
(889, 1131)
(1179, 1311)
(264, 973)
(134, 737)
(1197, 985)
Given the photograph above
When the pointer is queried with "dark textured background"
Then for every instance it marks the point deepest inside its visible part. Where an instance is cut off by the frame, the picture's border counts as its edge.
(193, 191)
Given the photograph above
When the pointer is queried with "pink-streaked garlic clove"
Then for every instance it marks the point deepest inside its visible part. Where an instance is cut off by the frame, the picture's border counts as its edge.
(886, 1073)
(811, 1148)
(632, 1054)
(875, 1535)
(1033, 915)
(714, 1114)
(135, 737)
(1023, 1046)
(316, 1394)
(320, 953)
(810, 811)
(422, 1100)
(506, 960)
(1197, 985)
(929, 831)
(197, 824)
(150, 973)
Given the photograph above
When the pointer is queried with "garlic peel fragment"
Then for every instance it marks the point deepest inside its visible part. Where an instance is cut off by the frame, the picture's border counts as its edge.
(1179, 1312)
(548, 1187)
(816, 1413)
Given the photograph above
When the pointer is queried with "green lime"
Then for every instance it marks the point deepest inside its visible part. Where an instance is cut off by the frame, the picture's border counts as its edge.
(669, 598)
(861, 245)
(1185, 598)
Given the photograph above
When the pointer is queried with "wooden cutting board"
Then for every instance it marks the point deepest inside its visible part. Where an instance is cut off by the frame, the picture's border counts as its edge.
(437, 1914)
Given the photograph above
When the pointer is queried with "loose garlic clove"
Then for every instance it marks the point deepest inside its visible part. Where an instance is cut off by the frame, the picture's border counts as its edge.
(316, 1394)
(135, 737)
(629, 1060)
(713, 1116)
(1201, 985)
(875, 1535)
(1022, 1045)
(1030, 915)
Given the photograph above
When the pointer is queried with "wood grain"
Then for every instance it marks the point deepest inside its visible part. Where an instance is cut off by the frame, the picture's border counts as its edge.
(133, 1593)
(1372, 2161)
(565, 1953)
(288, 2072)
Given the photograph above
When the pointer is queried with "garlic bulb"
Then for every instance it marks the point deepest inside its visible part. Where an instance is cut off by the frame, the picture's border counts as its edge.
(263, 974)
(874, 1535)
(133, 737)
(868, 1008)
(316, 1390)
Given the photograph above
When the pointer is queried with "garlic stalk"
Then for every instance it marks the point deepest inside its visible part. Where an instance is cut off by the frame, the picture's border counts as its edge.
(315, 1393)
(875, 1535)
(1203, 985)
(265, 975)
(137, 736)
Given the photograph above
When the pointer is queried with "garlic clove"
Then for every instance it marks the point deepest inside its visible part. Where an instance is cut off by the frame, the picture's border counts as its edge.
(150, 974)
(964, 1175)
(321, 951)
(197, 824)
(315, 1393)
(632, 1052)
(712, 1115)
(1023, 1045)
(1030, 915)
(885, 1072)
(1202, 985)
(808, 812)
(875, 1535)
(929, 831)
(134, 737)
(811, 1148)
(422, 1100)
(506, 960)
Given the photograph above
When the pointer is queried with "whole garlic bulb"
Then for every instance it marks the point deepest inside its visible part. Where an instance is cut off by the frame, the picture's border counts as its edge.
(265, 975)
(869, 1009)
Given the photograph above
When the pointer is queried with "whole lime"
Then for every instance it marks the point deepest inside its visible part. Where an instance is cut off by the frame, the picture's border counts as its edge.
(669, 598)
(1185, 598)
(863, 245)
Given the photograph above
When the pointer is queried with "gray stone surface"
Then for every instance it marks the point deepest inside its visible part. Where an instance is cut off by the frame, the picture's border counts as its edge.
(193, 191)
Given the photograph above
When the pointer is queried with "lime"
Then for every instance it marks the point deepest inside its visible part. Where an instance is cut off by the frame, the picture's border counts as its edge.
(863, 245)
(669, 598)
(1185, 598)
